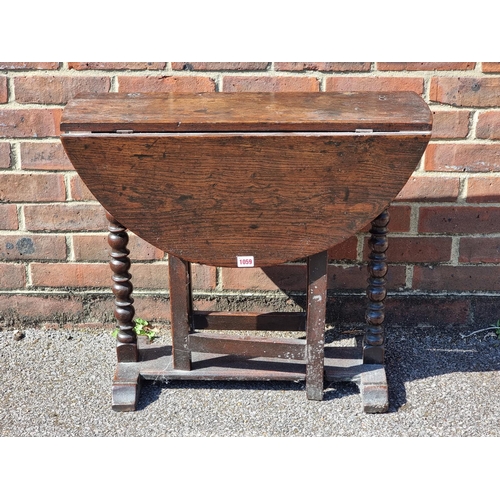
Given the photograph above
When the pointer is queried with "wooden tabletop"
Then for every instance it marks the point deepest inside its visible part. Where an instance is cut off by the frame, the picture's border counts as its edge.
(247, 112)
(276, 177)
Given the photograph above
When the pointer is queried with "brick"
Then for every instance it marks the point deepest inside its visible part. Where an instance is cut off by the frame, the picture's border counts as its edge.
(44, 156)
(8, 217)
(204, 277)
(417, 249)
(56, 89)
(31, 187)
(154, 276)
(270, 84)
(462, 158)
(411, 311)
(477, 250)
(347, 278)
(94, 247)
(12, 276)
(79, 66)
(3, 89)
(152, 308)
(166, 84)
(459, 220)
(145, 276)
(65, 217)
(285, 277)
(426, 189)
(32, 247)
(456, 278)
(100, 307)
(79, 191)
(400, 219)
(450, 124)
(491, 67)
(346, 310)
(4, 155)
(150, 276)
(213, 304)
(488, 125)
(467, 91)
(30, 308)
(425, 66)
(28, 65)
(293, 277)
(355, 277)
(483, 190)
(219, 66)
(403, 311)
(373, 84)
(30, 122)
(347, 250)
(322, 66)
(484, 310)
(427, 310)
(91, 247)
(74, 275)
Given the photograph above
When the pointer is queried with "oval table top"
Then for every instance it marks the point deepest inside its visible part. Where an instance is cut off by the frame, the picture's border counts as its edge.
(271, 178)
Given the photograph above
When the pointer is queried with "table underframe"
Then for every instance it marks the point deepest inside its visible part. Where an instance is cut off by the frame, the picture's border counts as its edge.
(200, 352)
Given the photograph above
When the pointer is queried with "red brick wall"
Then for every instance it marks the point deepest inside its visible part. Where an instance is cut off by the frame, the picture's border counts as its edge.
(444, 228)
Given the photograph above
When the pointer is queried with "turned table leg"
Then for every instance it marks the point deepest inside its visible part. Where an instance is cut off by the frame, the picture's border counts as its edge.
(373, 382)
(373, 349)
(126, 380)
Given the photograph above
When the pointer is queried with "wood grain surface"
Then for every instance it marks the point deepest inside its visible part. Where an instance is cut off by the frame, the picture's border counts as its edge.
(210, 198)
(220, 187)
(247, 111)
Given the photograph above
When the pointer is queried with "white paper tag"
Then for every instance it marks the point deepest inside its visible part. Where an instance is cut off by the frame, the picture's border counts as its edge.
(245, 261)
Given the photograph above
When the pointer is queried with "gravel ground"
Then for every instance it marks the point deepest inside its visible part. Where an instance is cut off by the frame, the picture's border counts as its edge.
(58, 383)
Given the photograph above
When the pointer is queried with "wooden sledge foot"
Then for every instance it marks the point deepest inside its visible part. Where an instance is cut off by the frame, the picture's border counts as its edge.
(374, 390)
(126, 387)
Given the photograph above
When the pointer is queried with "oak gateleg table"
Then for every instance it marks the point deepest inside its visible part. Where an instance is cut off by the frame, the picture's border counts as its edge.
(247, 180)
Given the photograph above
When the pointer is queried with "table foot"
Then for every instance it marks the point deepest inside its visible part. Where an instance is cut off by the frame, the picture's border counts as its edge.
(374, 390)
(314, 393)
(126, 387)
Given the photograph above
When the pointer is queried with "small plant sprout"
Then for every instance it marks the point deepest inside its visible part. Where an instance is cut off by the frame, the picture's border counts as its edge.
(489, 329)
(141, 327)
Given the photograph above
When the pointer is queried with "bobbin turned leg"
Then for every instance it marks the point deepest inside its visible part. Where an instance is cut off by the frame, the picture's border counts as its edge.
(373, 386)
(374, 350)
(126, 380)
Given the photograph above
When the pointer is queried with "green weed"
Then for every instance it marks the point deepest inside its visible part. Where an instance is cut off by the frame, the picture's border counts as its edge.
(489, 329)
(141, 327)
(497, 330)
